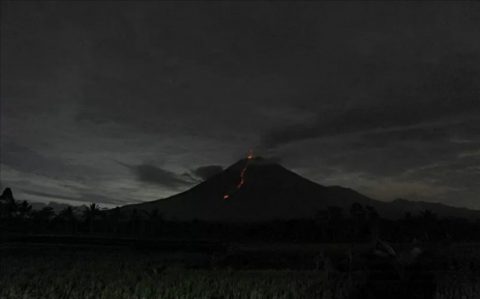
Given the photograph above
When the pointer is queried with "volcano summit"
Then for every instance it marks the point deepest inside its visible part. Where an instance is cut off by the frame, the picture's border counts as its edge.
(253, 189)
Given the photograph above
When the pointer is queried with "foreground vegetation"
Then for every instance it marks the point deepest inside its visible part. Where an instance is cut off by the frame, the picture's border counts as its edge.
(356, 224)
(49, 272)
(92, 253)
(128, 275)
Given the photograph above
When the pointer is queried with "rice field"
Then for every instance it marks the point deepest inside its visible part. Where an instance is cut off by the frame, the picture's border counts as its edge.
(115, 277)
(113, 273)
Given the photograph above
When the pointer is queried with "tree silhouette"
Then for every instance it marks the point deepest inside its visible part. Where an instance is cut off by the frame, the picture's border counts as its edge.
(154, 219)
(357, 211)
(358, 214)
(113, 219)
(45, 214)
(42, 217)
(134, 221)
(373, 219)
(8, 206)
(24, 209)
(89, 214)
(428, 215)
(335, 219)
(429, 223)
(67, 216)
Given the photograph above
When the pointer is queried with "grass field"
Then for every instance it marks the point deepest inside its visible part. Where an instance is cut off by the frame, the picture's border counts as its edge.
(88, 275)
(53, 272)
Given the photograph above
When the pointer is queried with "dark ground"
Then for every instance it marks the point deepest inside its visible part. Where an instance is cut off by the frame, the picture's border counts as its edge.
(96, 267)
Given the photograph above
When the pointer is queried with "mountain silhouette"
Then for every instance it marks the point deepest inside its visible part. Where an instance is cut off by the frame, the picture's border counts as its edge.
(255, 189)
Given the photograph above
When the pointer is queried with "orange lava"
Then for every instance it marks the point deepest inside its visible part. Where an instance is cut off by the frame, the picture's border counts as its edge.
(242, 177)
(242, 173)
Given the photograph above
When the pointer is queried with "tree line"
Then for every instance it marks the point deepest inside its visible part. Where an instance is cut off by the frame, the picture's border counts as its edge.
(334, 224)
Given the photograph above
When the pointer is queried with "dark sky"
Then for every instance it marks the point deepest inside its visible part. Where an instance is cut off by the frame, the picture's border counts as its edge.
(121, 102)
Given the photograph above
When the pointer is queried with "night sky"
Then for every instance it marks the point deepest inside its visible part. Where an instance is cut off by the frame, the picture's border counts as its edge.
(123, 102)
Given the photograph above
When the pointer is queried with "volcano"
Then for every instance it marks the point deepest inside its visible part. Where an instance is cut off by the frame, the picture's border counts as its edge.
(253, 189)
(256, 190)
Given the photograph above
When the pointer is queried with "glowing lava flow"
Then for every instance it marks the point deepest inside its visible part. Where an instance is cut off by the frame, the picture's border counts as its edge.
(242, 174)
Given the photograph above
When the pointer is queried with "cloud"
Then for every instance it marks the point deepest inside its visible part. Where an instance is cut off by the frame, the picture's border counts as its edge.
(206, 172)
(152, 174)
(28, 160)
(50, 195)
(422, 93)
(384, 125)
(328, 87)
(25, 159)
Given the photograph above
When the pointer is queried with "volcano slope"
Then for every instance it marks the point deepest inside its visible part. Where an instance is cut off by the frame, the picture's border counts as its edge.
(254, 190)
